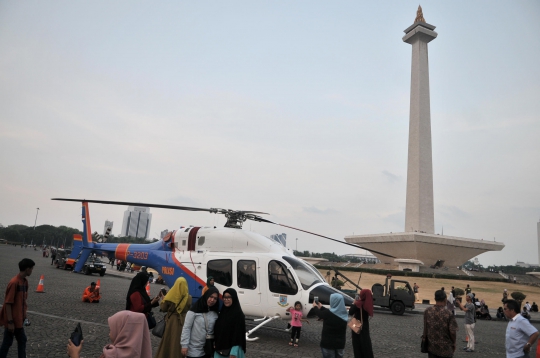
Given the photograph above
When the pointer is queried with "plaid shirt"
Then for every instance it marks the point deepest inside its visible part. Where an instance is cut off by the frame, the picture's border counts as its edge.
(440, 327)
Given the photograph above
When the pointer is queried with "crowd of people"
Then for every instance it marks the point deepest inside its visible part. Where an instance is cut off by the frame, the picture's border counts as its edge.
(206, 329)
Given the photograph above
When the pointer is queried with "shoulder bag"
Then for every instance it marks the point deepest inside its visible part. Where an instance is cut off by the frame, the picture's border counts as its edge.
(356, 325)
(159, 329)
(209, 344)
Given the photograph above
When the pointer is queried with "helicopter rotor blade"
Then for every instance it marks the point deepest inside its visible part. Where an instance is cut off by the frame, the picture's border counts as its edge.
(325, 237)
(161, 206)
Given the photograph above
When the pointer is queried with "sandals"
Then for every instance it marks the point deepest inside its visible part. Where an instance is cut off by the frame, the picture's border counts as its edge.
(290, 343)
(296, 345)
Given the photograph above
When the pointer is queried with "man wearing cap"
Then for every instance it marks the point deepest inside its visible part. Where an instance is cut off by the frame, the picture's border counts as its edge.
(469, 310)
(520, 333)
(91, 294)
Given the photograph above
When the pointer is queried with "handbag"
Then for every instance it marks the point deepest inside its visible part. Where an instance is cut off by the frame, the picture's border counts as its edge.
(424, 345)
(159, 329)
(356, 325)
(151, 320)
(225, 352)
(209, 343)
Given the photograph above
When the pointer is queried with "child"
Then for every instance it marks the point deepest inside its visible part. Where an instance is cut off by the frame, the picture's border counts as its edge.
(296, 322)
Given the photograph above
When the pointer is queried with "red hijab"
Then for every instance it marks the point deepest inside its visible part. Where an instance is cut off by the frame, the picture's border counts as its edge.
(365, 302)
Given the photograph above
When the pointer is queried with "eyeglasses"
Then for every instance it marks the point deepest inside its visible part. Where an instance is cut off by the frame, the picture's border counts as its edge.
(227, 297)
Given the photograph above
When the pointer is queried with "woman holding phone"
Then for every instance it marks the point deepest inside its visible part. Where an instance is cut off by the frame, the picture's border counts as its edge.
(176, 304)
(334, 331)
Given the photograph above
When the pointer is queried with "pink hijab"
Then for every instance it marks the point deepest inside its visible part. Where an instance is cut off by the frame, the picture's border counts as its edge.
(365, 301)
(130, 336)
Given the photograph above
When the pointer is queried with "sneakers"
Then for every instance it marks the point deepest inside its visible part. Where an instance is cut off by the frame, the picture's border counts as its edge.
(469, 351)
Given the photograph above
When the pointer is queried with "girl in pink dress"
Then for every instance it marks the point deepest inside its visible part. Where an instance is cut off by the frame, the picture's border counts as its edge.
(296, 322)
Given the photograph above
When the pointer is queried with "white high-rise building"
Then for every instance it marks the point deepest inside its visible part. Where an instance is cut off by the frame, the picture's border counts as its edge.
(280, 238)
(108, 224)
(136, 222)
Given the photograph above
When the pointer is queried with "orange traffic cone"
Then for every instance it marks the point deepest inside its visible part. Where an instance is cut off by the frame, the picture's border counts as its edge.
(40, 285)
(98, 284)
(148, 288)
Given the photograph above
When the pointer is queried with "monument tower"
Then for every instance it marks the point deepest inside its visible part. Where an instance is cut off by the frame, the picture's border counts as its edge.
(419, 205)
(418, 245)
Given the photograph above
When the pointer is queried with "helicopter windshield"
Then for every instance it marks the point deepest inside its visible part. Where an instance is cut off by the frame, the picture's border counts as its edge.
(306, 275)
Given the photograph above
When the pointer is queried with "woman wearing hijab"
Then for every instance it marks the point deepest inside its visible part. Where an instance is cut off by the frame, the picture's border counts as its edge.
(176, 304)
(209, 283)
(362, 342)
(230, 329)
(334, 329)
(199, 325)
(129, 336)
(137, 299)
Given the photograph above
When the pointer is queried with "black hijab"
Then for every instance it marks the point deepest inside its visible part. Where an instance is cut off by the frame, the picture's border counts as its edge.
(138, 284)
(230, 328)
(201, 306)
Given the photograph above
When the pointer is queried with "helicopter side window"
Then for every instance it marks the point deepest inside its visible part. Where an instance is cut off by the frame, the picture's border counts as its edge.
(221, 271)
(280, 279)
(246, 274)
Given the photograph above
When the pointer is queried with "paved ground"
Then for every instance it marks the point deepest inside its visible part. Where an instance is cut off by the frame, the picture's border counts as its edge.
(55, 313)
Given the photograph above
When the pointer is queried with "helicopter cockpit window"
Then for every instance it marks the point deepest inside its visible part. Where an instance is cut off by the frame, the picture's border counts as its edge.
(280, 279)
(221, 271)
(304, 272)
(247, 277)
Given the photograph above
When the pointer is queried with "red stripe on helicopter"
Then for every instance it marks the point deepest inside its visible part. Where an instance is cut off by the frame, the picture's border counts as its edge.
(87, 221)
(122, 251)
(181, 266)
(77, 237)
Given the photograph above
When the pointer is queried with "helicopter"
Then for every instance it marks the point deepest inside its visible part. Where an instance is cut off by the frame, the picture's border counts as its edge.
(268, 277)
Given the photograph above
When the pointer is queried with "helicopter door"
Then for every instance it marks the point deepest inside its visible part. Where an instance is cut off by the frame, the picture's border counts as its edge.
(247, 281)
(282, 286)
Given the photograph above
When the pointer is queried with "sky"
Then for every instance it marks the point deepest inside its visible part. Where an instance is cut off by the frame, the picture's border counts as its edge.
(299, 109)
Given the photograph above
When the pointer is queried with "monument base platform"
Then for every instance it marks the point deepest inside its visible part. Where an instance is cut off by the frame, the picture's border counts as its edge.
(428, 248)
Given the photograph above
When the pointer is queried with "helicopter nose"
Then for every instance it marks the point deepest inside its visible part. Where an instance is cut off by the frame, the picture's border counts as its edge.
(324, 292)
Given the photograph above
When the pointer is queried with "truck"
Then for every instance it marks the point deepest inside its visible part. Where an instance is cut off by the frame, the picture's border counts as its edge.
(397, 295)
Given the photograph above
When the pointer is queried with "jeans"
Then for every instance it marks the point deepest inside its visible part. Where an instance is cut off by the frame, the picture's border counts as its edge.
(469, 329)
(332, 353)
(8, 341)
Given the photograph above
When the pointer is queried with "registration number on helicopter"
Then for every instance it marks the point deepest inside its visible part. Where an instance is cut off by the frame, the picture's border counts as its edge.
(140, 255)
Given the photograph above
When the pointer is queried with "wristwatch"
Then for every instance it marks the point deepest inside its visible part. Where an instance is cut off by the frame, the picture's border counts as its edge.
(528, 344)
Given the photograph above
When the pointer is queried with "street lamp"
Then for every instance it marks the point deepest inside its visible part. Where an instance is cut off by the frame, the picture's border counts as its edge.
(37, 212)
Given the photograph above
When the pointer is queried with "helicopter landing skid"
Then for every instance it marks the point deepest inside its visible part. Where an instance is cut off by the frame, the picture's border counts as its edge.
(265, 321)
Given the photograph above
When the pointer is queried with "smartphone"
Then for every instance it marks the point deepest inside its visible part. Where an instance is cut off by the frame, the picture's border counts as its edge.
(357, 297)
(316, 299)
(77, 336)
(163, 291)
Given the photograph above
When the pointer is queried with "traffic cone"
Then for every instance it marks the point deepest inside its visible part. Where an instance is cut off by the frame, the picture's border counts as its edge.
(148, 288)
(98, 284)
(40, 285)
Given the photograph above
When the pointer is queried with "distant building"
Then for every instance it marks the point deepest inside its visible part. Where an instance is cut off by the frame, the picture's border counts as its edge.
(524, 264)
(136, 222)
(164, 233)
(108, 224)
(280, 239)
(538, 232)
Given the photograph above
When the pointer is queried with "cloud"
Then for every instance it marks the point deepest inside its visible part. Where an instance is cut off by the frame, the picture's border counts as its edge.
(314, 210)
(452, 212)
(392, 178)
